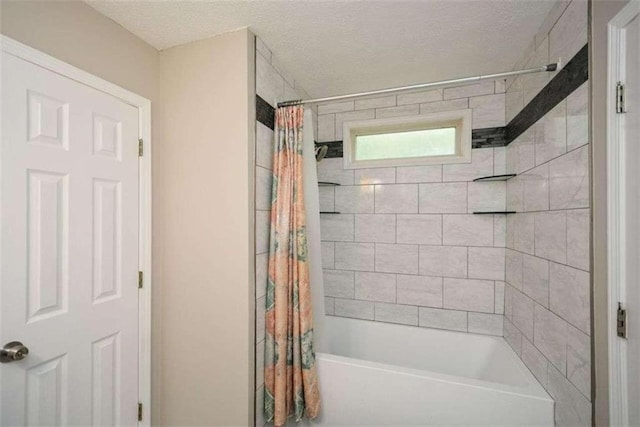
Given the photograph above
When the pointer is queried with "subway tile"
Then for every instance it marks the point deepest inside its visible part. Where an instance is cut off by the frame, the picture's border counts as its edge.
(487, 196)
(524, 232)
(514, 103)
(332, 170)
(263, 49)
(467, 230)
(448, 197)
(488, 324)
(522, 312)
(486, 263)
(579, 360)
(329, 308)
(488, 111)
(263, 188)
(375, 176)
(354, 308)
(499, 297)
(264, 146)
(569, 180)
(260, 318)
(446, 261)
(418, 174)
(535, 279)
(396, 198)
(515, 194)
(442, 319)
(578, 117)
(326, 127)
(376, 228)
(337, 228)
(535, 186)
(260, 420)
(269, 83)
(469, 295)
(500, 231)
(263, 230)
(569, 295)
(569, 34)
(419, 229)
(338, 283)
(578, 237)
(336, 107)
(513, 336)
(521, 154)
(328, 255)
(550, 337)
(551, 235)
(440, 106)
(535, 361)
(259, 364)
(551, 134)
(354, 199)
(481, 165)
(367, 103)
(500, 86)
(376, 287)
(351, 116)
(396, 313)
(354, 256)
(482, 88)
(420, 97)
(571, 407)
(513, 268)
(401, 111)
(419, 290)
(500, 160)
(396, 258)
(326, 197)
(532, 84)
(552, 17)
(262, 274)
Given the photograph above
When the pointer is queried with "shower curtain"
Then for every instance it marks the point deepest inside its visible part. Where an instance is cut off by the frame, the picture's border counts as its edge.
(291, 382)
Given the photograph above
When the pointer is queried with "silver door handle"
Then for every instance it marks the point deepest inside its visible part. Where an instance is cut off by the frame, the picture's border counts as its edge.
(13, 352)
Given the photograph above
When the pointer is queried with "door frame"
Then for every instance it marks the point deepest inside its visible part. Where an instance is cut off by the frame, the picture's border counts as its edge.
(143, 105)
(618, 399)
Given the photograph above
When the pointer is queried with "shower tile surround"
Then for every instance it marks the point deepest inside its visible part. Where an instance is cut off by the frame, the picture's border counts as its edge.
(424, 260)
(406, 248)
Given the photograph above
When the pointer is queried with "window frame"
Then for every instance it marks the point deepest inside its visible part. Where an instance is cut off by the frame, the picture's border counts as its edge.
(460, 119)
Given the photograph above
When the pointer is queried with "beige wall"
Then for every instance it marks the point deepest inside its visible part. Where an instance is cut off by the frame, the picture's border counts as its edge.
(602, 12)
(207, 327)
(203, 185)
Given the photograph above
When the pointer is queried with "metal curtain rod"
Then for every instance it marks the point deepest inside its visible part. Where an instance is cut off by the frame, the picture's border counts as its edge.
(549, 67)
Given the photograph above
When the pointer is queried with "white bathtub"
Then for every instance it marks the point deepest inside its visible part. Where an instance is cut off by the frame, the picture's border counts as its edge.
(382, 374)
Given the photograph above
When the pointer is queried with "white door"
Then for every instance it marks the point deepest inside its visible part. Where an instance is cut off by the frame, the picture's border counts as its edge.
(625, 147)
(69, 251)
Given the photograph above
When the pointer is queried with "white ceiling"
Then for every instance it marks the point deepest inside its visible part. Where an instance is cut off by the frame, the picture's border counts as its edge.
(337, 47)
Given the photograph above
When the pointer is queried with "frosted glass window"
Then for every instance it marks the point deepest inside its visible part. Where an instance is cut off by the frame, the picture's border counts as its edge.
(399, 145)
(437, 138)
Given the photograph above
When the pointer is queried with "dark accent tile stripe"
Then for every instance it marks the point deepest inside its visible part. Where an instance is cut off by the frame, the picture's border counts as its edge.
(488, 137)
(335, 148)
(265, 113)
(568, 79)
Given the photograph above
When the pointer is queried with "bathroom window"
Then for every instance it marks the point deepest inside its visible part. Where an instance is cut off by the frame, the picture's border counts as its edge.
(439, 138)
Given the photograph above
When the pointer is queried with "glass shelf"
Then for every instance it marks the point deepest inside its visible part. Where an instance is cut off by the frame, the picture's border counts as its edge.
(327, 184)
(495, 177)
(495, 213)
(329, 213)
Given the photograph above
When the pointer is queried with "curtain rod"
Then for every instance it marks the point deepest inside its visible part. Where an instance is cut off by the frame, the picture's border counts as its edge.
(549, 67)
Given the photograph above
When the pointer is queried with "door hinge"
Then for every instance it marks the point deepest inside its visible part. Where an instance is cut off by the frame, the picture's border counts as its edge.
(620, 98)
(140, 147)
(621, 327)
(139, 411)
(140, 279)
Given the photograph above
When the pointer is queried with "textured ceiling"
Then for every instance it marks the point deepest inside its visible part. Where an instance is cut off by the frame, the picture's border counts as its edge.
(337, 47)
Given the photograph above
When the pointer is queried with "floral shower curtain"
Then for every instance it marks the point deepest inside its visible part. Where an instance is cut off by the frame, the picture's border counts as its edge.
(291, 382)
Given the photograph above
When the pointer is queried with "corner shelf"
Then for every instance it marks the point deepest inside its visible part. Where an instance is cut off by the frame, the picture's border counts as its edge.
(327, 184)
(495, 178)
(329, 213)
(495, 213)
